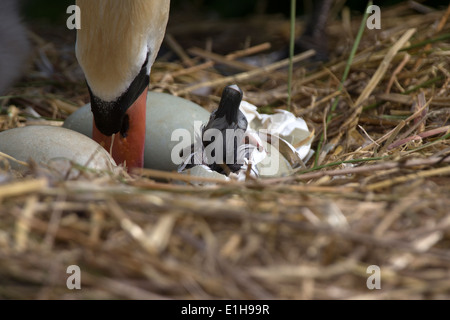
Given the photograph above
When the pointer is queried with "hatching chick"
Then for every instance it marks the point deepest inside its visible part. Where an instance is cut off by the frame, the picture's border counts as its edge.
(222, 145)
(232, 125)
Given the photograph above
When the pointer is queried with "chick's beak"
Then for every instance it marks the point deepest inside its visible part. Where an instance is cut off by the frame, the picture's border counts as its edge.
(127, 145)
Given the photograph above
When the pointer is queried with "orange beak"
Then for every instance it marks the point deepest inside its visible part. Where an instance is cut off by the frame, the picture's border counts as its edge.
(128, 150)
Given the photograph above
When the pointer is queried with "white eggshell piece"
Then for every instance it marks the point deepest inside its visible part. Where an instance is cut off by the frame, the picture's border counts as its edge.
(165, 114)
(53, 147)
(274, 165)
(204, 172)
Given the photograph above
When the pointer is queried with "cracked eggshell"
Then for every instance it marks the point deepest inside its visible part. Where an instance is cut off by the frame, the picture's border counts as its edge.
(274, 164)
(165, 114)
(54, 147)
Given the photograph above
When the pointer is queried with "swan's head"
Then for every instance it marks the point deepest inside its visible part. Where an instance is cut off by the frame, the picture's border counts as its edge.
(116, 47)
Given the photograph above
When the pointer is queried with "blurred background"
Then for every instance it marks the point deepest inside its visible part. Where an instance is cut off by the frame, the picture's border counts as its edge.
(194, 22)
(220, 26)
(53, 11)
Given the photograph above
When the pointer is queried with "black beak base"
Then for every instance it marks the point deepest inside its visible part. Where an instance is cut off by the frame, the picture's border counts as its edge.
(110, 117)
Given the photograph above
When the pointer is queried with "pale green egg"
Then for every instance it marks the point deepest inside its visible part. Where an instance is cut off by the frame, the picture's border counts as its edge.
(53, 147)
(165, 115)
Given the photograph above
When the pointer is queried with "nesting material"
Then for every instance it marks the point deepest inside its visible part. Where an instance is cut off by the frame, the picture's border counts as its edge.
(375, 193)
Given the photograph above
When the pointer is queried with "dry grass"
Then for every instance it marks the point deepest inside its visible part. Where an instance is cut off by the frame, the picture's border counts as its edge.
(378, 194)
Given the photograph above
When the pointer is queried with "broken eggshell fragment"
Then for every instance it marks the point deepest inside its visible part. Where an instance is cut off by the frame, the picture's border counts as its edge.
(292, 131)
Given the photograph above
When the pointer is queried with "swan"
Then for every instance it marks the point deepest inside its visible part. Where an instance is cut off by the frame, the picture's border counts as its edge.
(116, 47)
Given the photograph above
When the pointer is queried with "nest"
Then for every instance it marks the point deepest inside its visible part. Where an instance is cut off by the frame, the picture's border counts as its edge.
(375, 194)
